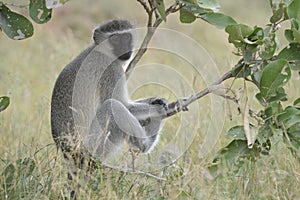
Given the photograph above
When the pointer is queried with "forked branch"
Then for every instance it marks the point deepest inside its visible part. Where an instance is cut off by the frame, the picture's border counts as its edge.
(151, 28)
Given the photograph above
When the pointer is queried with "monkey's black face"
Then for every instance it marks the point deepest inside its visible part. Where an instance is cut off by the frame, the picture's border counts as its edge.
(122, 45)
(125, 56)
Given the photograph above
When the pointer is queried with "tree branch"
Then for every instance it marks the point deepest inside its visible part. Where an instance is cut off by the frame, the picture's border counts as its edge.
(144, 4)
(151, 28)
(181, 104)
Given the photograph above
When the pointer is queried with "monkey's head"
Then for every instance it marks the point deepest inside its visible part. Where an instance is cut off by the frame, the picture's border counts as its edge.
(119, 35)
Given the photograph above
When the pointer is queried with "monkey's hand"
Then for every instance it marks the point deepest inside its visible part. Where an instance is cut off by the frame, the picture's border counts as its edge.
(182, 104)
(159, 101)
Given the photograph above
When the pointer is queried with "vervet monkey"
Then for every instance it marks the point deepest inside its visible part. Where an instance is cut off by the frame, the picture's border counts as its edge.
(90, 99)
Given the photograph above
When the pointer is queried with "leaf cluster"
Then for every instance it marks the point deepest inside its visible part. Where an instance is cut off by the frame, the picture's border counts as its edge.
(17, 26)
(269, 70)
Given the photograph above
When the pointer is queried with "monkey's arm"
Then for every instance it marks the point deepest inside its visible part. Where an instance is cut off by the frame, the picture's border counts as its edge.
(153, 100)
(148, 110)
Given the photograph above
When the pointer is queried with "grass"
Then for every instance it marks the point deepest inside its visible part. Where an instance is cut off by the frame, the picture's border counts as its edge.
(32, 168)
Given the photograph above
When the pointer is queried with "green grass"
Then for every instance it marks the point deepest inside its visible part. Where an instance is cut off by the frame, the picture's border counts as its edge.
(32, 168)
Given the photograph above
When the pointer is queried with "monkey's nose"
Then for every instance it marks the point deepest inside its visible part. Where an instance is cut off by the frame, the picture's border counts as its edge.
(125, 56)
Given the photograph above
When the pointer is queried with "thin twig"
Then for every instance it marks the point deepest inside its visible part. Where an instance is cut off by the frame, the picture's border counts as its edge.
(286, 134)
(131, 171)
(151, 28)
(144, 4)
(252, 113)
(181, 104)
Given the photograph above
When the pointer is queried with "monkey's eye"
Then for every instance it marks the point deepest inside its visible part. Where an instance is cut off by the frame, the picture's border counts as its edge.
(112, 35)
(126, 36)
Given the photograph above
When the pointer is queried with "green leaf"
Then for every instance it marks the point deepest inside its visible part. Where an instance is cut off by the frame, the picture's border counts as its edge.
(277, 135)
(294, 24)
(290, 116)
(260, 99)
(293, 10)
(192, 6)
(273, 78)
(297, 102)
(269, 47)
(212, 5)
(248, 53)
(280, 96)
(160, 6)
(293, 141)
(186, 16)
(278, 14)
(237, 132)
(264, 137)
(293, 120)
(232, 157)
(292, 55)
(237, 32)
(256, 72)
(258, 35)
(296, 35)
(288, 33)
(39, 12)
(287, 113)
(218, 19)
(14, 25)
(294, 132)
(242, 71)
(273, 109)
(4, 103)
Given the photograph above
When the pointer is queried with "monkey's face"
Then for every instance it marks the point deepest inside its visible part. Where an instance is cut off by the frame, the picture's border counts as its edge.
(122, 45)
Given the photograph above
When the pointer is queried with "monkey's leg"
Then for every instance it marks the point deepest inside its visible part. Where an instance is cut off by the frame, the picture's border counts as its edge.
(115, 122)
(149, 116)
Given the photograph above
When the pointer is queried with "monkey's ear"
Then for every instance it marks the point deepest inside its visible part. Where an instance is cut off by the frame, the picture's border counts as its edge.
(98, 36)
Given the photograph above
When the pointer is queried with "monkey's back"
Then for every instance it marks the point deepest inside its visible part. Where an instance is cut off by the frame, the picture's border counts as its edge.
(78, 91)
(61, 103)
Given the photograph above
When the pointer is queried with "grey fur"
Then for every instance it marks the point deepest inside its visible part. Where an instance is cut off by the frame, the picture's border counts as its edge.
(110, 117)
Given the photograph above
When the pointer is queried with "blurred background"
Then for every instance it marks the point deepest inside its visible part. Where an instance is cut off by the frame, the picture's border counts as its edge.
(29, 68)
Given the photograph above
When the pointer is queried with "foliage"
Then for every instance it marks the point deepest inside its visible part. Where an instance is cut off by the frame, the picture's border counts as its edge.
(17, 26)
(4, 103)
(266, 68)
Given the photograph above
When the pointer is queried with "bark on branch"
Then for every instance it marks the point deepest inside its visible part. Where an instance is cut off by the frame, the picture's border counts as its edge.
(181, 104)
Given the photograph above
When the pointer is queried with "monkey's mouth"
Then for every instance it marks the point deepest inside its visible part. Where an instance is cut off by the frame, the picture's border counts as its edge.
(125, 56)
